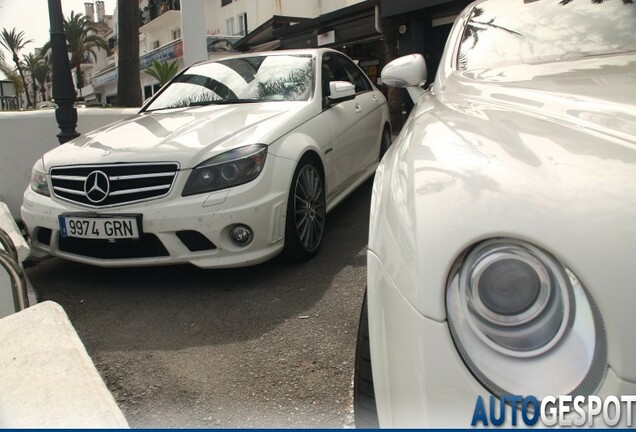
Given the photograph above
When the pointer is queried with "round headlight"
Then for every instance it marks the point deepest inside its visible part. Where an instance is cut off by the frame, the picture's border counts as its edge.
(517, 297)
(508, 287)
(523, 323)
(230, 172)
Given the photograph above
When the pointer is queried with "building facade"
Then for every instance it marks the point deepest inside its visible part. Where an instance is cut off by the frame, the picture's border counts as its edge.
(161, 38)
(351, 26)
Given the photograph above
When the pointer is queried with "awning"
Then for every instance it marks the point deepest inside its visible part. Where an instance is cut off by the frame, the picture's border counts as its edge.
(392, 7)
(266, 32)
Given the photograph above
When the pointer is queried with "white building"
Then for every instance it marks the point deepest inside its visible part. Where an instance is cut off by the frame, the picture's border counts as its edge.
(161, 38)
(239, 17)
(104, 25)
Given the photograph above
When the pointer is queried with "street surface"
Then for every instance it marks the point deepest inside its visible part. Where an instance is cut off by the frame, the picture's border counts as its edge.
(267, 346)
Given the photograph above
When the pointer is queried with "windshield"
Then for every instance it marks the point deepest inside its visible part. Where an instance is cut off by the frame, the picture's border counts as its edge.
(240, 80)
(505, 32)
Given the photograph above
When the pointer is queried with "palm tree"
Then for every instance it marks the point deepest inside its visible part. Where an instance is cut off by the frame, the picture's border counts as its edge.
(12, 76)
(31, 63)
(14, 42)
(162, 71)
(82, 41)
(41, 75)
(39, 69)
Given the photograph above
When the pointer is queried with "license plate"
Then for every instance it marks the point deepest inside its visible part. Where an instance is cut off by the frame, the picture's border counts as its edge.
(99, 227)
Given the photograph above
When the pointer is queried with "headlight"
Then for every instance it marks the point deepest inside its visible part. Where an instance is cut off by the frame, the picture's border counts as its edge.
(232, 168)
(39, 183)
(523, 323)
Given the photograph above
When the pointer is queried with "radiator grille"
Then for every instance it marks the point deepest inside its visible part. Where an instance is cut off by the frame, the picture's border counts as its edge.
(113, 184)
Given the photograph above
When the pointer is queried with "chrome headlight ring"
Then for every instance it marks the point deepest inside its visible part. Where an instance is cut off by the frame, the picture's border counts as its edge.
(523, 323)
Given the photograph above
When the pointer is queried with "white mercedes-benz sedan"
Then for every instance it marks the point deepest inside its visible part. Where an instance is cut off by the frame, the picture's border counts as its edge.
(229, 164)
(503, 226)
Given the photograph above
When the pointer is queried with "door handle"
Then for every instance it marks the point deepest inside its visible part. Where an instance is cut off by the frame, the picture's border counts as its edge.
(375, 99)
(358, 109)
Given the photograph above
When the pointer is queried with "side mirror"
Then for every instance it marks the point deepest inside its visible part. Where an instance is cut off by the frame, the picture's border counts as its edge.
(341, 90)
(406, 72)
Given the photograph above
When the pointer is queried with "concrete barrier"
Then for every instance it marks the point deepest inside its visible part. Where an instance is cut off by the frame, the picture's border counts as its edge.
(9, 226)
(26, 135)
(47, 378)
(13, 280)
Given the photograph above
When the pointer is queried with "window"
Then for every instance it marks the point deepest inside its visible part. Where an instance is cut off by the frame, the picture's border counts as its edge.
(339, 68)
(272, 78)
(241, 23)
(176, 34)
(355, 75)
(155, 44)
(225, 2)
(229, 26)
(497, 34)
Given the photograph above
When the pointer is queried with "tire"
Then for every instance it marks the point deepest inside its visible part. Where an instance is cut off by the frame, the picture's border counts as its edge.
(386, 141)
(306, 212)
(364, 408)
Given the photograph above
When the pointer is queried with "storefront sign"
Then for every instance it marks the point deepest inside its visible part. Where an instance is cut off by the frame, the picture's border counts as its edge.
(327, 38)
(168, 52)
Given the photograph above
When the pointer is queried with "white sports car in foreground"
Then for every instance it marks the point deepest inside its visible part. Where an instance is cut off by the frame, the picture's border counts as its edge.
(232, 162)
(503, 223)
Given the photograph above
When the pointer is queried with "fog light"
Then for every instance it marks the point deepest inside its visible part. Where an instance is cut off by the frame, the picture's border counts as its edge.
(241, 235)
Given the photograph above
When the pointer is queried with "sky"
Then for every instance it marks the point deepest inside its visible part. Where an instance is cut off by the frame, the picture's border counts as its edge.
(32, 17)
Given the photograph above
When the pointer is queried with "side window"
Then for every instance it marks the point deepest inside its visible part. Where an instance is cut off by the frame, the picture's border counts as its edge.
(355, 75)
(332, 70)
(336, 67)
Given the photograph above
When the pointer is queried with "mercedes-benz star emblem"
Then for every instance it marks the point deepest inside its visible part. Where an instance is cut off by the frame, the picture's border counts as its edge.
(96, 187)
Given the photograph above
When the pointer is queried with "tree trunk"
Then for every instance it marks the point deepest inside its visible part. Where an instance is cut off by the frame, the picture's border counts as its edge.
(16, 60)
(78, 78)
(395, 95)
(128, 81)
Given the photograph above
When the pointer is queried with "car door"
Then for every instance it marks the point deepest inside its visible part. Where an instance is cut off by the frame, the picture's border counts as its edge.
(369, 122)
(347, 122)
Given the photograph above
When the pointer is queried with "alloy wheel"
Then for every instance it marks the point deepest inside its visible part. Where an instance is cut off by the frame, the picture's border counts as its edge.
(309, 208)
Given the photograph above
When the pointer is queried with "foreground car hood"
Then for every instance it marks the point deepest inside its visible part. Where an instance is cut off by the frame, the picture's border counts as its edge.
(595, 93)
(551, 161)
(186, 135)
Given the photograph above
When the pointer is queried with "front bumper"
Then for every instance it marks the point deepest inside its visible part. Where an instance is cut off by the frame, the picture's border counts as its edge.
(260, 204)
(419, 377)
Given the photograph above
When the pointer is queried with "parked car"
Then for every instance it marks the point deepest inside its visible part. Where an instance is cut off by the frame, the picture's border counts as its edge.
(229, 164)
(503, 219)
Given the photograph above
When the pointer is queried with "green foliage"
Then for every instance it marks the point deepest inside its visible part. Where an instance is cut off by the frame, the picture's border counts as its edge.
(162, 71)
(39, 71)
(15, 41)
(81, 39)
(11, 74)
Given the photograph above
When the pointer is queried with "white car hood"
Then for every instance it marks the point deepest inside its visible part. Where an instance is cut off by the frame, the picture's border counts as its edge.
(185, 135)
(595, 93)
(551, 160)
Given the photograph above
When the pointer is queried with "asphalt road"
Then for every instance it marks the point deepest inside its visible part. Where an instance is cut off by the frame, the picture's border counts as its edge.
(266, 346)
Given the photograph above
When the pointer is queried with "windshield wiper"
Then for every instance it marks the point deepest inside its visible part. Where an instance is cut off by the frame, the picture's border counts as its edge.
(223, 102)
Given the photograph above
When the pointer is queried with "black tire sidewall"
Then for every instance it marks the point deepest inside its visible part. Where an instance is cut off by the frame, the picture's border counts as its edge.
(294, 249)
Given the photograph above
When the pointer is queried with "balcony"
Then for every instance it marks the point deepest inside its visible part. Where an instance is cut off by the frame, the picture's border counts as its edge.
(165, 21)
(155, 9)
